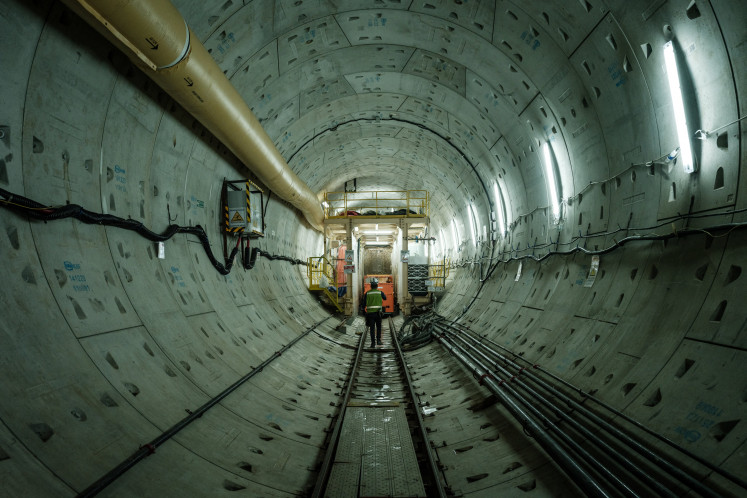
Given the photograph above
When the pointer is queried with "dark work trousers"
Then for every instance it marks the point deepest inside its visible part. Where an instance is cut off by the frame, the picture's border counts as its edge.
(373, 320)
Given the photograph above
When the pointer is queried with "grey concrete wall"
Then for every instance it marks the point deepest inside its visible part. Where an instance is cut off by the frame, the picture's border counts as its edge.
(104, 346)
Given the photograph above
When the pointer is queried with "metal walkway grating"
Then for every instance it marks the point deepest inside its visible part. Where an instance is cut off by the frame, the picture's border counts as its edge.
(375, 455)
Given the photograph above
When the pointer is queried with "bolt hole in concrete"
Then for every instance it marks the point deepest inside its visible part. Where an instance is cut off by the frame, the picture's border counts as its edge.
(653, 273)
(107, 401)
(628, 387)
(12, 233)
(733, 273)
(718, 182)
(134, 390)
(692, 10)
(43, 431)
(686, 365)
(28, 275)
(722, 141)
(476, 477)
(232, 486)
(700, 272)
(3, 455)
(110, 359)
(246, 466)
(654, 399)
(79, 414)
(37, 146)
(528, 486)
(718, 313)
(722, 429)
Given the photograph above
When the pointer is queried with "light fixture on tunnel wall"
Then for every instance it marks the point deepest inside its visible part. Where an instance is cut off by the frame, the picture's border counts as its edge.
(678, 106)
(455, 233)
(500, 212)
(552, 183)
(473, 224)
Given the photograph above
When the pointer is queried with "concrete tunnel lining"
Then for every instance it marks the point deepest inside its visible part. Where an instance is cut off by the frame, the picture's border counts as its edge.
(104, 346)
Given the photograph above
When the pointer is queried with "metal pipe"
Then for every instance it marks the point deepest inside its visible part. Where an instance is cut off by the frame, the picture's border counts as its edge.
(607, 449)
(156, 38)
(552, 428)
(658, 460)
(579, 475)
(150, 448)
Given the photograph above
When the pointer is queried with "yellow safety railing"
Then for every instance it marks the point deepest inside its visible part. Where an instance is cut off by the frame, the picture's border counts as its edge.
(387, 203)
(439, 273)
(321, 275)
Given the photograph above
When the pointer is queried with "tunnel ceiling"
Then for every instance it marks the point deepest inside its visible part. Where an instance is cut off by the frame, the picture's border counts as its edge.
(410, 95)
(106, 345)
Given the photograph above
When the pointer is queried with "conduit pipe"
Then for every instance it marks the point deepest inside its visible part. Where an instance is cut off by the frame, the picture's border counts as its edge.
(476, 345)
(156, 38)
(562, 415)
(578, 474)
(485, 343)
(552, 430)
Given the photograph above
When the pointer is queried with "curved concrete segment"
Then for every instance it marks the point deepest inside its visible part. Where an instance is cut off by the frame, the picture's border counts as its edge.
(104, 346)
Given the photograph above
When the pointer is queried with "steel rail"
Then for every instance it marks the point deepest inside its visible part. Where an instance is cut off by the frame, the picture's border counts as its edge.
(148, 449)
(421, 426)
(326, 467)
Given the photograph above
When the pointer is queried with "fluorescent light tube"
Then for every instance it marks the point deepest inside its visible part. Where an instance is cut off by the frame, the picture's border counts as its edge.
(552, 186)
(473, 225)
(499, 208)
(686, 155)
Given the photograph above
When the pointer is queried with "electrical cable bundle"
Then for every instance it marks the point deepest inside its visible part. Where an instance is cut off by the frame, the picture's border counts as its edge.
(39, 211)
(416, 330)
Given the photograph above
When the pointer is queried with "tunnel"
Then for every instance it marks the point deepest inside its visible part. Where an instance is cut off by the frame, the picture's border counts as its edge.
(583, 165)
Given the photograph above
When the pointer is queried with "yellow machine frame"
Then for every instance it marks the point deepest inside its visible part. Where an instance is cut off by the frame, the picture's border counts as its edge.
(382, 204)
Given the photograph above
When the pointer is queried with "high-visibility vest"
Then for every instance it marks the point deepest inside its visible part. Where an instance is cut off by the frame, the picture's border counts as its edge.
(373, 300)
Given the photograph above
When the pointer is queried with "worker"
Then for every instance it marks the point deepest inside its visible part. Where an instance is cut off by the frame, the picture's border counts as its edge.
(374, 303)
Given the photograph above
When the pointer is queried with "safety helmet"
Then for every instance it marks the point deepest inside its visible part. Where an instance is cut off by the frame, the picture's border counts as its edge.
(375, 281)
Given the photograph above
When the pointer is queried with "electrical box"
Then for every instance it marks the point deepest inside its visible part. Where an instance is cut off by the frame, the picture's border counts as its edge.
(243, 208)
(237, 201)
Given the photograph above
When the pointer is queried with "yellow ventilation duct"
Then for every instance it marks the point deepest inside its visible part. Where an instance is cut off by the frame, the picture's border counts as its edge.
(156, 38)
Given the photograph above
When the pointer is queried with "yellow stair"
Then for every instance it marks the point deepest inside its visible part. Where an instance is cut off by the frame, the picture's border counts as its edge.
(322, 278)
